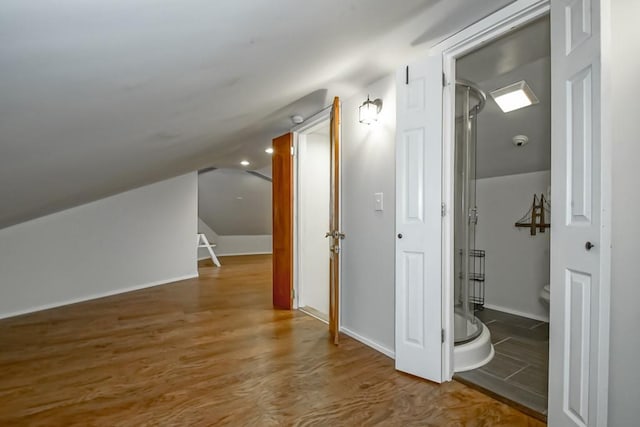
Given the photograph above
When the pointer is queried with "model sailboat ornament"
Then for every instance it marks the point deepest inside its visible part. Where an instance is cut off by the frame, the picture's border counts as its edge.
(537, 216)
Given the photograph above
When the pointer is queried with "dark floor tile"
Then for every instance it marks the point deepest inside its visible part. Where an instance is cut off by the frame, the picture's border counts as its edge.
(532, 352)
(532, 378)
(510, 391)
(541, 331)
(503, 366)
(498, 332)
(501, 330)
(511, 319)
(519, 370)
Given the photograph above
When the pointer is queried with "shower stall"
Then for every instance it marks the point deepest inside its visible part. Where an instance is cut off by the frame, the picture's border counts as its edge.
(471, 338)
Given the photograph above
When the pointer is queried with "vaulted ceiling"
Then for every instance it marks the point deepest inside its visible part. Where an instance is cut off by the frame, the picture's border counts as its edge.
(97, 97)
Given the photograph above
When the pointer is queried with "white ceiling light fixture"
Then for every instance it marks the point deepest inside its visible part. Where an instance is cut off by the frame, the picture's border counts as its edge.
(369, 110)
(515, 96)
(269, 150)
(297, 119)
(245, 163)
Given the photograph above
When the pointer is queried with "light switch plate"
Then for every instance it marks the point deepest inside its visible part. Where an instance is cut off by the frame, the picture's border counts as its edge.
(377, 197)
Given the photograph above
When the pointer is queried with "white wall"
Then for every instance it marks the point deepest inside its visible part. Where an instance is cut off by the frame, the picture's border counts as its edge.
(204, 228)
(368, 257)
(314, 191)
(132, 240)
(235, 203)
(243, 245)
(624, 377)
(233, 245)
(517, 264)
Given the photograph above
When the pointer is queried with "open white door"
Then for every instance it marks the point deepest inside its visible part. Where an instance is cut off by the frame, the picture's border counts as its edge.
(577, 386)
(418, 219)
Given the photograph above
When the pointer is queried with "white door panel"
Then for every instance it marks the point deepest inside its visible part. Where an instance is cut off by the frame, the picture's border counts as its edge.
(418, 221)
(576, 204)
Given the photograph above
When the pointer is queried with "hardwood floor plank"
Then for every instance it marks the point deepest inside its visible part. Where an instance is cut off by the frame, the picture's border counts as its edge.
(212, 351)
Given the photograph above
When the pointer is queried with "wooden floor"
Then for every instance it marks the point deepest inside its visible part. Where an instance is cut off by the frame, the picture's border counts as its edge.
(211, 351)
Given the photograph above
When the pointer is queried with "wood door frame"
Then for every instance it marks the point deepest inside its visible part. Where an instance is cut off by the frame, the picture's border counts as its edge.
(299, 132)
(496, 25)
(282, 219)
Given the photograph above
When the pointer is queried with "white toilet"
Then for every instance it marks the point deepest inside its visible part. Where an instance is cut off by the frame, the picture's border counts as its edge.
(545, 293)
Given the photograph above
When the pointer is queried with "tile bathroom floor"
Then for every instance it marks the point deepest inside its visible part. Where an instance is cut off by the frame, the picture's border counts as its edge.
(518, 373)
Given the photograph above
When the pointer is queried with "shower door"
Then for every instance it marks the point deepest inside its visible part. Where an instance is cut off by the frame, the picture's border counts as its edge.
(466, 326)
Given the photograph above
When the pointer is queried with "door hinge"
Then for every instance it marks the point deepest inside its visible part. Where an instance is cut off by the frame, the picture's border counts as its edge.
(444, 80)
(407, 75)
(442, 336)
(443, 209)
(293, 150)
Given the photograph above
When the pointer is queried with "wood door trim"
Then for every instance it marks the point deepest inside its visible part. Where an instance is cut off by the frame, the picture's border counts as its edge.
(282, 217)
(334, 264)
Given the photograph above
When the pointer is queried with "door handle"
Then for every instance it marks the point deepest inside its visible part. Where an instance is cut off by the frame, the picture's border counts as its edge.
(588, 246)
(335, 234)
(399, 235)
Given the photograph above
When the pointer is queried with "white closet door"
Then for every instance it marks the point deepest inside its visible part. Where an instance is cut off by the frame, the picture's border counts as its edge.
(575, 366)
(418, 219)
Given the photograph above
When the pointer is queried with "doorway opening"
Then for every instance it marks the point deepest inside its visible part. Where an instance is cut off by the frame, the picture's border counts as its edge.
(313, 192)
(502, 211)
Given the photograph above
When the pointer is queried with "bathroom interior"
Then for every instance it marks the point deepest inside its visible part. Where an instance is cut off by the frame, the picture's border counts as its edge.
(502, 217)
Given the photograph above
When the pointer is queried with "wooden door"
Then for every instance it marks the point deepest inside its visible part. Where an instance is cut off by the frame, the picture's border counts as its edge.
(334, 225)
(418, 219)
(282, 209)
(578, 353)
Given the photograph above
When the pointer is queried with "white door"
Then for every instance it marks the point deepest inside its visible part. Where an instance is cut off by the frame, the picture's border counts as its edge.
(418, 219)
(576, 388)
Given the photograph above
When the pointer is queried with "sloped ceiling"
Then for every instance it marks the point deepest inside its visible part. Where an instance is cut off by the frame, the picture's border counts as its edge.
(521, 55)
(232, 202)
(98, 97)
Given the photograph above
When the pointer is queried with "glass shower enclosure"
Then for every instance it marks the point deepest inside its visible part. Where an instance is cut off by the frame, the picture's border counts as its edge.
(470, 100)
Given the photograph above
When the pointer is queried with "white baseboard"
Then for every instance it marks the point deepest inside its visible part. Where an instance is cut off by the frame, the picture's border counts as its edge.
(236, 254)
(96, 296)
(517, 312)
(366, 341)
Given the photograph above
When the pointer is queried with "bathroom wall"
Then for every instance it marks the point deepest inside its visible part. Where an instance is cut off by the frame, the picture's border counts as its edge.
(517, 264)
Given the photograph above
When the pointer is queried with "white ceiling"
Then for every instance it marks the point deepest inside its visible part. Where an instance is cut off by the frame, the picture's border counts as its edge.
(521, 55)
(102, 96)
(232, 202)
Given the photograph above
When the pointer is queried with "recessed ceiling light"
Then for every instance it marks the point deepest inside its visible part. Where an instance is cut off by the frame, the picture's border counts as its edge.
(514, 96)
(245, 163)
(269, 150)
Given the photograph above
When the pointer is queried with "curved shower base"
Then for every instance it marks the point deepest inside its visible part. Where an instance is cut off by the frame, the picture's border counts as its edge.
(475, 353)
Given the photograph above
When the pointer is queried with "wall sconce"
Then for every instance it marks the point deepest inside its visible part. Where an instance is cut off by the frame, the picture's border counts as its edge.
(369, 110)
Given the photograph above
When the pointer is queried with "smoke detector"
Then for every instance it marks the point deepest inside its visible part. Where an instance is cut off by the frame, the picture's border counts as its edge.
(520, 140)
(297, 119)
